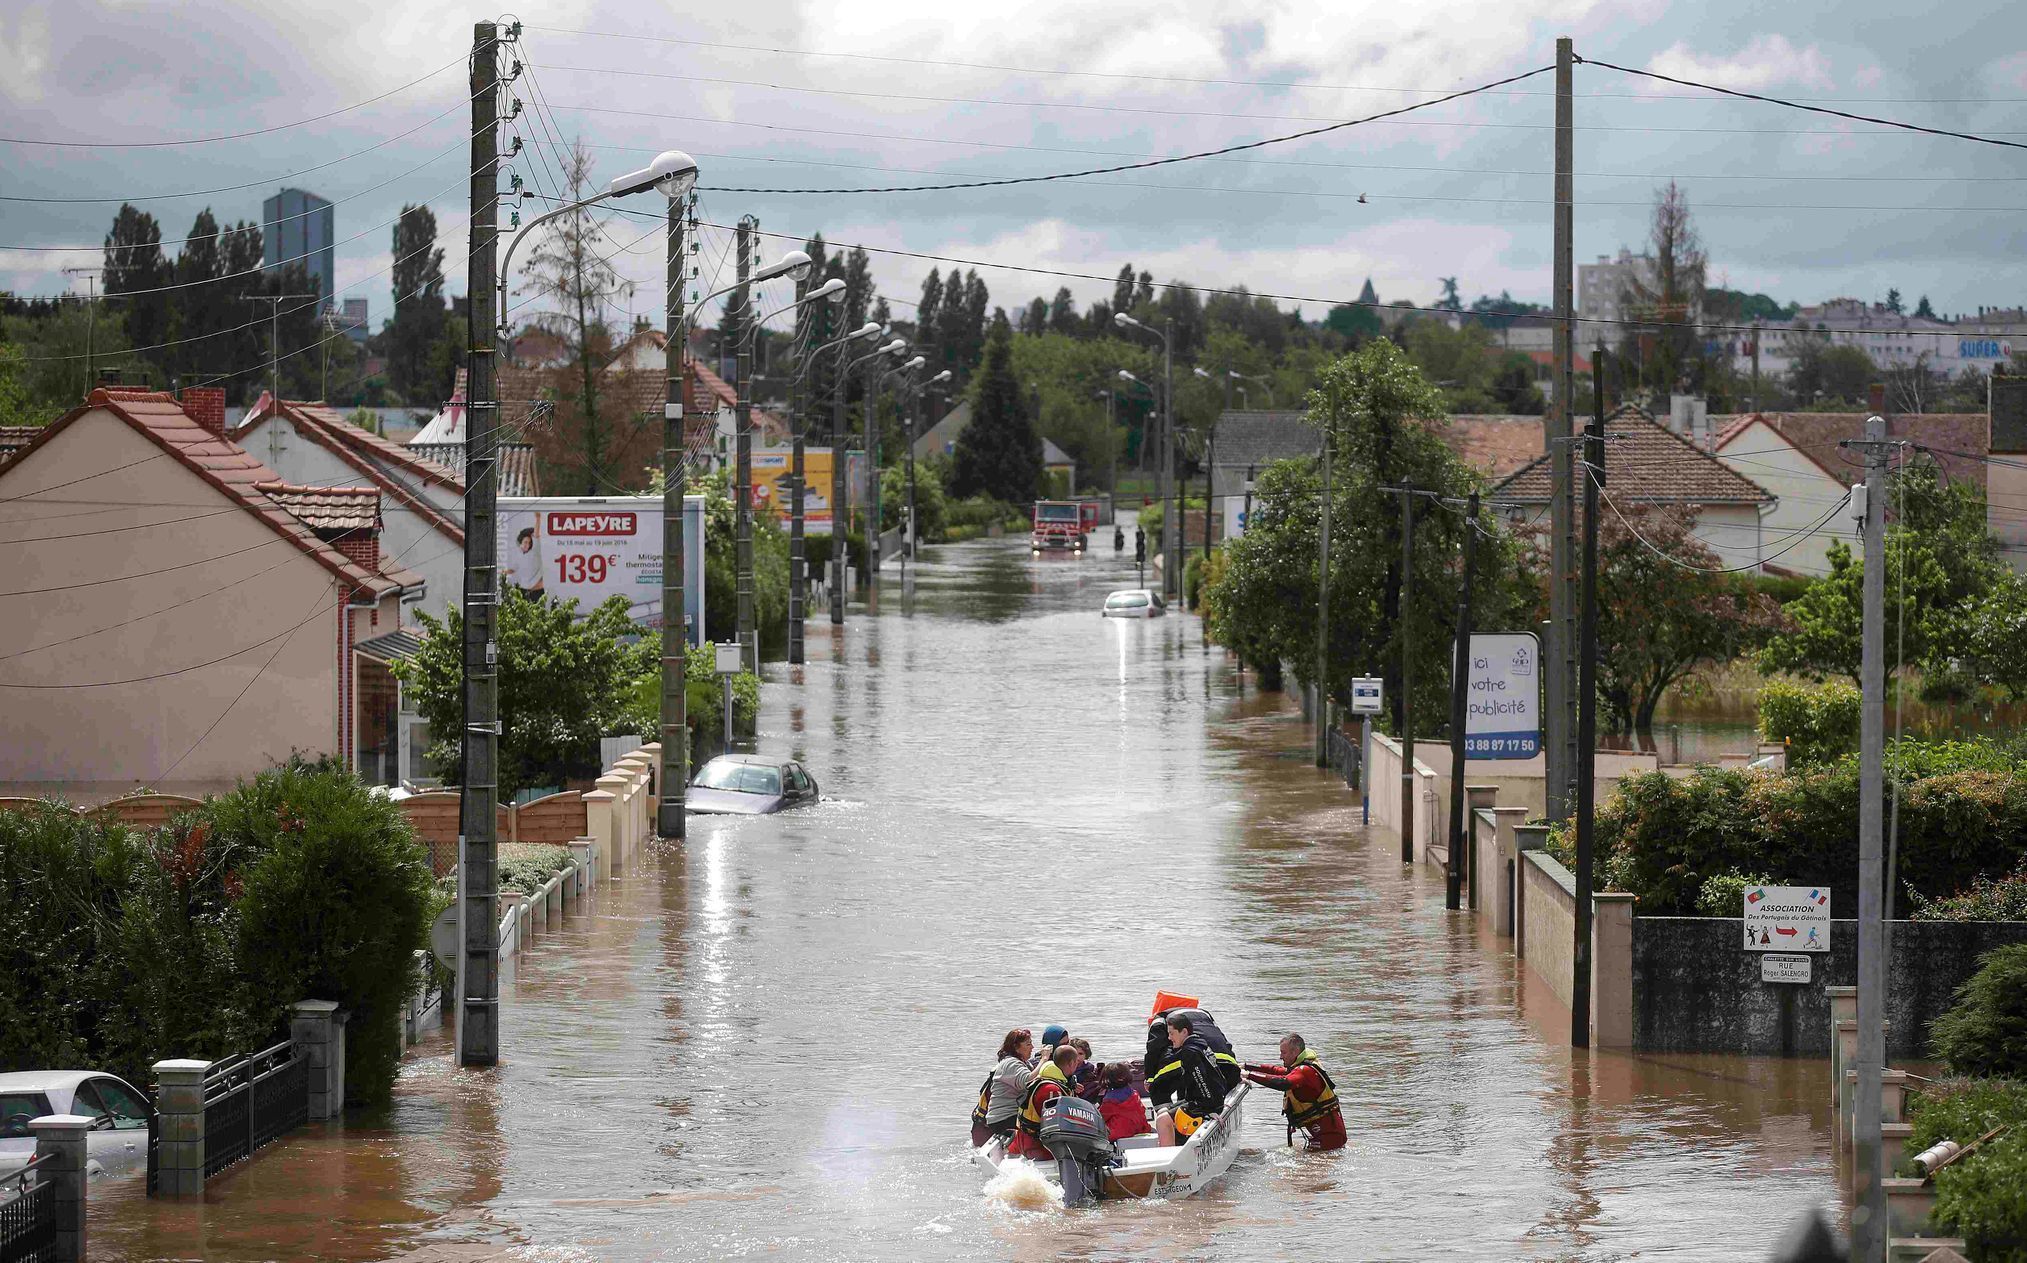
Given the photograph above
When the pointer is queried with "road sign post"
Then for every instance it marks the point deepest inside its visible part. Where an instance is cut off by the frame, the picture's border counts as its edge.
(1367, 699)
(728, 660)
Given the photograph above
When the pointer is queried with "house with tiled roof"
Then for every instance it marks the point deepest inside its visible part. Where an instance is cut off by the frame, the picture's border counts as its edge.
(1249, 441)
(421, 500)
(179, 615)
(1649, 465)
(15, 437)
(1799, 457)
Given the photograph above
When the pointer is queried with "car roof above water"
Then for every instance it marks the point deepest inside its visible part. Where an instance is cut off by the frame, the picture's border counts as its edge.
(762, 760)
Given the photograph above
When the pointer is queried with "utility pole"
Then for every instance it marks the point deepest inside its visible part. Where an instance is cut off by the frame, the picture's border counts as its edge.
(797, 474)
(1756, 365)
(274, 338)
(1210, 473)
(1868, 1217)
(1562, 753)
(1587, 710)
(1460, 679)
(669, 815)
(478, 1017)
(742, 299)
(1322, 613)
(869, 505)
(1407, 676)
(841, 519)
(91, 319)
(1171, 563)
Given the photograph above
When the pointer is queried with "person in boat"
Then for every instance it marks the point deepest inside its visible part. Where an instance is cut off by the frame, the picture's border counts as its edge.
(1124, 1113)
(1051, 1081)
(1052, 1036)
(999, 1097)
(1200, 1084)
(1308, 1096)
(1089, 1081)
(1160, 1066)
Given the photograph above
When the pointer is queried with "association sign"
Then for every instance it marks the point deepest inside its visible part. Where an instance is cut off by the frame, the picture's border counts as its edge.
(1787, 918)
(1502, 718)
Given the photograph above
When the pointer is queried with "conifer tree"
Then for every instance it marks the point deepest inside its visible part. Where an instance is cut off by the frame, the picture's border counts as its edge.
(999, 454)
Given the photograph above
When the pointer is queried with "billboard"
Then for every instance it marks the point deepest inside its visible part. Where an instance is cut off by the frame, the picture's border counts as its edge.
(772, 486)
(592, 548)
(1502, 707)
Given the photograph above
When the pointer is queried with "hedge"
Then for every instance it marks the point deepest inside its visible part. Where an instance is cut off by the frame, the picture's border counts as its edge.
(1982, 1198)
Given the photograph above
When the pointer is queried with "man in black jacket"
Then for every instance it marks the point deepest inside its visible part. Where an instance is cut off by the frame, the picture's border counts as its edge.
(1199, 1089)
(1159, 1065)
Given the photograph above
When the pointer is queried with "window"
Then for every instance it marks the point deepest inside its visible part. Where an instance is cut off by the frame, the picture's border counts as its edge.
(798, 780)
(129, 1111)
(740, 778)
(1126, 601)
(17, 1109)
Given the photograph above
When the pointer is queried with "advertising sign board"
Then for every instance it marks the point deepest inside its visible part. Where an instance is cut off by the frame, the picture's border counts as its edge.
(1787, 918)
(1503, 707)
(592, 548)
(772, 487)
(1237, 509)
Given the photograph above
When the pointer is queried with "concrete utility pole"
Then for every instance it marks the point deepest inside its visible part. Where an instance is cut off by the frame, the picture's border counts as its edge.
(1460, 678)
(742, 426)
(868, 506)
(841, 520)
(478, 1016)
(797, 476)
(1562, 753)
(1587, 710)
(1172, 518)
(669, 815)
(274, 338)
(1407, 676)
(1322, 614)
(1868, 1216)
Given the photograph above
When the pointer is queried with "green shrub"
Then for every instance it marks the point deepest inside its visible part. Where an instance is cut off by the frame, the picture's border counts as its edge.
(337, 898)
(1985, 1030)
(1963, 1109)
(1986, 899)
(1817, 723)
(984, 512)
(817, 549)
(1723, 895)
(1983, 1197)
(531, 870)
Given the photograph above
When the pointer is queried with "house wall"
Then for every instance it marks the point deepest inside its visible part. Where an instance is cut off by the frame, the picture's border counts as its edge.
(1734, 533)
(140, 617)
(2006, 508)
(1806, 492)
(405, 535)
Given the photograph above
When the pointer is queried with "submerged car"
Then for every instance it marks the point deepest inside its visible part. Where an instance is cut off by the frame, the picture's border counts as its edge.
(116, 1144)
(1134, 603)
(749, 785)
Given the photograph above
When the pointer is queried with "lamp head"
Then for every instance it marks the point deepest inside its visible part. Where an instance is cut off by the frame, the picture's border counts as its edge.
(794, 265)
(914, 364)
(1125, 321)
(1200, 373)
(898, 344)
(673, 172)
(870, 329)
(832, 289)
(1125, 376)
(943, 376)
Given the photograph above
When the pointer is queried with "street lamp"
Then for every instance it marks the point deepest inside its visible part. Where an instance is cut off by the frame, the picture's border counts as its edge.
(840, 518)
(923, 387)
(1170, 528)
(833, 291)
(478, 983)
(873, 460)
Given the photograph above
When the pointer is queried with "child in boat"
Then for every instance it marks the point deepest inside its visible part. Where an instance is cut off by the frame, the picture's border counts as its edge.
(1124, 1114)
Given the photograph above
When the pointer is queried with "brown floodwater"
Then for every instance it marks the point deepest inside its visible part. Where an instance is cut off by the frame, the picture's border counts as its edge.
(764, 1042)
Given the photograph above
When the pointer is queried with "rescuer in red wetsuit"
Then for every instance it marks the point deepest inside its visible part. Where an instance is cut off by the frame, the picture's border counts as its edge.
(1308, 1096)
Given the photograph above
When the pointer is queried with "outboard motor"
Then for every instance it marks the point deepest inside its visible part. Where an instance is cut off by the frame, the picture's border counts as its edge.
(1074, 1132)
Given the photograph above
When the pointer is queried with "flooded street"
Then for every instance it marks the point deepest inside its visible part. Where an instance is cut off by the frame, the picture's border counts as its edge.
(764, 1042)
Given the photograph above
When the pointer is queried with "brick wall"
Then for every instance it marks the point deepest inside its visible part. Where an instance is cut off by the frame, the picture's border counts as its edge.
(206, 406)
(362, 547)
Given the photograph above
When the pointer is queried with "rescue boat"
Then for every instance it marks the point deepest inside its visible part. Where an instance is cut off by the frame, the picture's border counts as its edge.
(1091, 1166)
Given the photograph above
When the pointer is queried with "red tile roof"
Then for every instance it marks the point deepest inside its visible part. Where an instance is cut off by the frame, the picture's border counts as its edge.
(220, 462)
(331, 509)
(1646, 463)
(1495, 446)
(1960, 441)
(341, 438)
(15, 437)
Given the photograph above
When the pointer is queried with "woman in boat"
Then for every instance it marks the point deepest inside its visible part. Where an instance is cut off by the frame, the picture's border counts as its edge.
(1308, 1096)
(999, 1097)
(1050, 1082)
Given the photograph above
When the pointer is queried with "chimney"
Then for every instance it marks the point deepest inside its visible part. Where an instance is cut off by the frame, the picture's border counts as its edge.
(362, 547)
(206, 406)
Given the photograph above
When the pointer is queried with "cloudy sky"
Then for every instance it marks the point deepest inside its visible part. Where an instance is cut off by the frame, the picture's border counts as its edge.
(784, 94)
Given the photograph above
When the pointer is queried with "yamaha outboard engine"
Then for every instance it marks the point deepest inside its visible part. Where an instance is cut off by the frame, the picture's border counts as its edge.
(1074, 1132)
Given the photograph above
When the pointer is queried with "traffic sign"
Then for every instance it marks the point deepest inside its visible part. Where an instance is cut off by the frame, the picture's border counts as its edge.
(1784, 967)
(1366, 691)
(1503, 707)
(1787, 918)
(727, 657)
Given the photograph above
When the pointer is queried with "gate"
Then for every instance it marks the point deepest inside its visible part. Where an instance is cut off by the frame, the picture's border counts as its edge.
(252, 1100)
(27, 1216)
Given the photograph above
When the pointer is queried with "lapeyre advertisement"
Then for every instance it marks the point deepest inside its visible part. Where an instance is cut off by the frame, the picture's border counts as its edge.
(590, 549)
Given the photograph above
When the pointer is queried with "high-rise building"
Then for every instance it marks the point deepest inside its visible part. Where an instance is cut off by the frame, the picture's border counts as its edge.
(298, 227)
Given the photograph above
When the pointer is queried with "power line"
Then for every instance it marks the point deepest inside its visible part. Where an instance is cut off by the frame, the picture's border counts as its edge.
(1147, 78)
(1649, 545)
(1814, 109)
(259, 131)
(252, 184)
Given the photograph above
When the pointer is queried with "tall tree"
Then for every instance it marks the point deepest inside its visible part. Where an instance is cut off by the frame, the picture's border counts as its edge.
(998, 454)
(1893, 301)
(134, 266)
(1450, 300)
(204, 301)
(419, 314)
(241, 251)
(1122, 290)
(930, 309)
(1666, 345)
(569, 270)
(1923, 310)
(1035, 318)
(1063, 312)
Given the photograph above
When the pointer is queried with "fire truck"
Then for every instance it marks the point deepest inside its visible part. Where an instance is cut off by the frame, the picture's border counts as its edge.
(1063, 524)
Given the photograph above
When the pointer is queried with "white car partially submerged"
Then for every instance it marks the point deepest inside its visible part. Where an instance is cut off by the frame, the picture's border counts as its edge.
(116, 1145)
(1135, 603)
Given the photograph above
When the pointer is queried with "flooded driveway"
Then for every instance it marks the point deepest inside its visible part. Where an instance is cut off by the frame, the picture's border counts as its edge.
(764, 1042)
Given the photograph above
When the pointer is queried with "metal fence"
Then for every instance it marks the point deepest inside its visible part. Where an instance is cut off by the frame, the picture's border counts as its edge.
(1344, 755)
(250, 1101)
(27, 1216)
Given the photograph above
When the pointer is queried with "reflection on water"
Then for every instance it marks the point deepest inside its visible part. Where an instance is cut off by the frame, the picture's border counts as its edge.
(765, 1041)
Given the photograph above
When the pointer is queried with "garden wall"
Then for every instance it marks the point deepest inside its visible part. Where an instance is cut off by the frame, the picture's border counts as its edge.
(1696, 990)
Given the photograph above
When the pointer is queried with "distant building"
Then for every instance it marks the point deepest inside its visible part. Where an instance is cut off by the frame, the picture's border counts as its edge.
(1601, 291)
(354, 320)
(299, 227)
